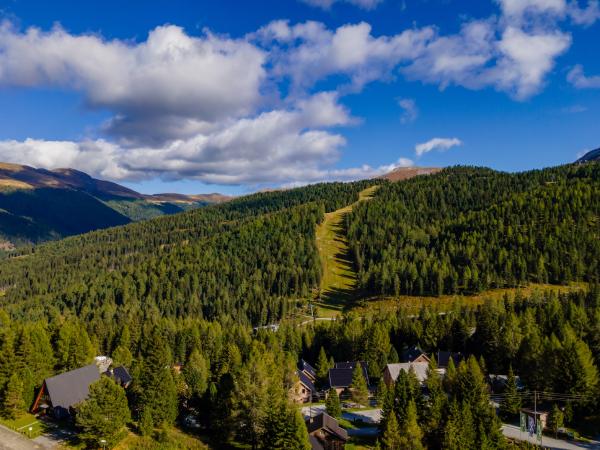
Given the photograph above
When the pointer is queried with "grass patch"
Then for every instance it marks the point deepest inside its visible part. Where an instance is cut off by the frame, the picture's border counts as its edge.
(378, 305)
(169, 439)
(338, 283)
(23, 423)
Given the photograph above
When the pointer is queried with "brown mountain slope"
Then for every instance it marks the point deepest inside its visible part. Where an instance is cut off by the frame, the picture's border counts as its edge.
(404, 173)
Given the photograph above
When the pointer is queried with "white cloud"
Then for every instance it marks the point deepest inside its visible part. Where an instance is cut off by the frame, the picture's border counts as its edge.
(584, 16)
(309, 52)
(178, 83)
(410, 111)
(327, 4)
(515, 9)
(440, 144)
(577, 78)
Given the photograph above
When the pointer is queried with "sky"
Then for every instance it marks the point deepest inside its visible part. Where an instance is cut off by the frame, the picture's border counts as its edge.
(235, 96)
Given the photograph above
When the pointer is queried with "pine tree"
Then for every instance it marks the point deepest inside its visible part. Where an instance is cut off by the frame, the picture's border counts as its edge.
(511, 403)
(158, 391)
(13, 404)
(411, 434)
(435, 407)
(323, 366)
(104, 414)
(391, 439)
(556, 419)
(332, 404)
(293, 434)
(146, 424)
(196, 373)
(359, 389)
(382, 392)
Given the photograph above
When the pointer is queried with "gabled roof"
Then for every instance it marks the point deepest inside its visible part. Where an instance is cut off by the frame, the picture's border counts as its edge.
(306, 381)
(303, 366)
(120, 375)
(341, 375)
(443, 358)
(69, 388)
(412, 353)
(420, 369)
(328, 423)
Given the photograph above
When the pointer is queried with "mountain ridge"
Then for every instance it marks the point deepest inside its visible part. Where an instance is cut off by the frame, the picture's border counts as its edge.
(38, 205)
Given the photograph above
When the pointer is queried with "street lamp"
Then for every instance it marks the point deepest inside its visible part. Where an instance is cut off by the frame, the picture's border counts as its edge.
(103, 442)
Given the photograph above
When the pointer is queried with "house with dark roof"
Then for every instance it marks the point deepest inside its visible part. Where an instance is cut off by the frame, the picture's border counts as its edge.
(325, 433)
(304, 389)
(414, 354)
(120, 375)
(443, 358)
(59, 394)
(308, 370)
(340, 377)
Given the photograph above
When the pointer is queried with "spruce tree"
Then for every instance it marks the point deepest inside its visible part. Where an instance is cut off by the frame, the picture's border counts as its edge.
(196, 373)
(511, 403)
(391, 439)
(435, 406)
(556, 419)
(104, 414)
(411, 434)
(13, 404)
(382, 392)
(359, 388)
(323, 366)
(332, 404)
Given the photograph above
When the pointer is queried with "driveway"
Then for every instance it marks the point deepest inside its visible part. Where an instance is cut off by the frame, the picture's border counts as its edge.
(11, 440)
(514, 432)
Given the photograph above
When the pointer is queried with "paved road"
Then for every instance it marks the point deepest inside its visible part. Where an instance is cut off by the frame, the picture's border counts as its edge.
(11, 440)
(513, 432)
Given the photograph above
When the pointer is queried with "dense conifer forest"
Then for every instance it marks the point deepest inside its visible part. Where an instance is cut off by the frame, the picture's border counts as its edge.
(188, 288)
(465, 230)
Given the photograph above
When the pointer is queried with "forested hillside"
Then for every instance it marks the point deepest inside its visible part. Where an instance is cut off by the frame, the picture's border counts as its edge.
(466, 229)
(245, 259)
(38, 205)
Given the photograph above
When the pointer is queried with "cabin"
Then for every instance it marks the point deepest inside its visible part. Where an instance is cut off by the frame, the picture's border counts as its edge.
(340, 377)
(303, 390)
(392, 371)
(533, 417)
(308, 370)
(325, 433)
(59, 394)
(414, 354)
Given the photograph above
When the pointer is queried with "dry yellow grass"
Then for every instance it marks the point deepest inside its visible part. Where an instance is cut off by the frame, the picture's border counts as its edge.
(338, 283)
(14, 184)
(390, 304)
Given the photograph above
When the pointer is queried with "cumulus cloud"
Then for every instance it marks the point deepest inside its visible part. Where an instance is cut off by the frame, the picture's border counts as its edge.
(410, 111)
(309, 52)
(577, 78)
(327, 4)
(440, 144)
(177, 83)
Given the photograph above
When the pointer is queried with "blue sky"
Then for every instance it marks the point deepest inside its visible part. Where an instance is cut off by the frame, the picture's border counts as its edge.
(234, 96)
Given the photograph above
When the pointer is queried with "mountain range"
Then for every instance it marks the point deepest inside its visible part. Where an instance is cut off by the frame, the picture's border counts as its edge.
(37, 205)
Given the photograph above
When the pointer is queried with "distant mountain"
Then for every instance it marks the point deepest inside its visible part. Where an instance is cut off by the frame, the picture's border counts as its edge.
(404, 173)
(592, 155)
(38, 205)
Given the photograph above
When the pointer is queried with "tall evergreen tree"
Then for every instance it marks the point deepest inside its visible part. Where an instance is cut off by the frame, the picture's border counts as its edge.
(359, 388)
(391, 438)
(511, 403)
(104, 414)
(332, 404)
(13, 404)
(411, 434)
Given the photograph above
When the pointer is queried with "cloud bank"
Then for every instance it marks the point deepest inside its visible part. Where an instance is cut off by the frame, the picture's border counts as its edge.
(440, 144)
